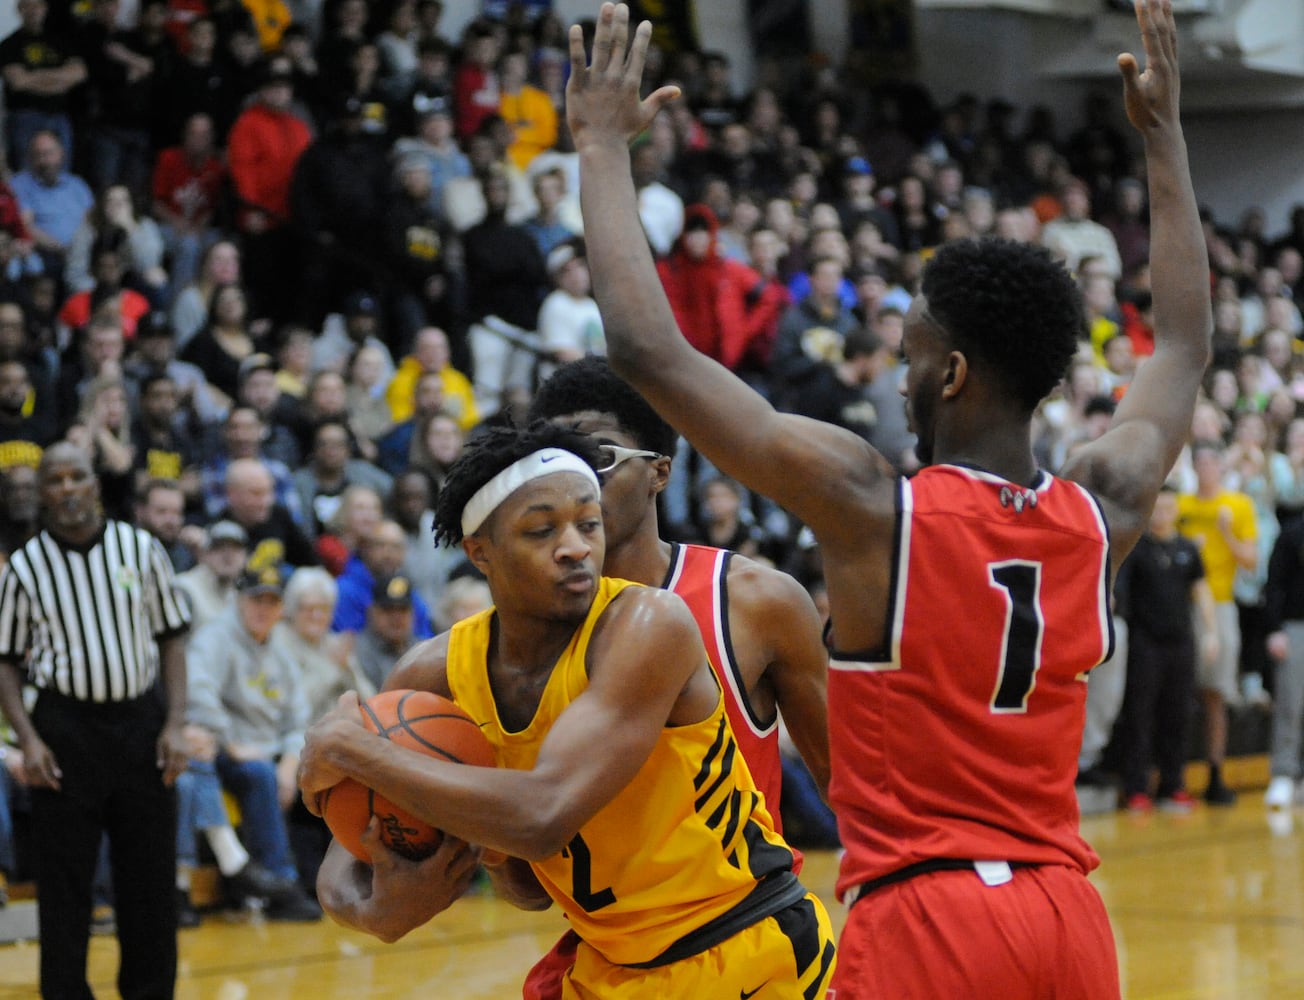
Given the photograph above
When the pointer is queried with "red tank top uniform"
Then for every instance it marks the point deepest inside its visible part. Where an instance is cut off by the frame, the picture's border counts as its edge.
(699, 575)
(958, 739)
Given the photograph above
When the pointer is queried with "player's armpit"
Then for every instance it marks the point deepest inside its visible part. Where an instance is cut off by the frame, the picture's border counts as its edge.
(514, 881)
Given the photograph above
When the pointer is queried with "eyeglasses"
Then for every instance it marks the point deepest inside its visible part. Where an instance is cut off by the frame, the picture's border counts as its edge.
(613, 455)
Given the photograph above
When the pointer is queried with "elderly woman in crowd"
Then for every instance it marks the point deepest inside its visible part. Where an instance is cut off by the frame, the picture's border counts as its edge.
(327, 668)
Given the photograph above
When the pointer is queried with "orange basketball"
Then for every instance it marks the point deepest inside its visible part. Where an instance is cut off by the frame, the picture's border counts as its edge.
(417, 720)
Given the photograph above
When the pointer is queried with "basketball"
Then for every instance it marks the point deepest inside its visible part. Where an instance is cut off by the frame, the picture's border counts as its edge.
(417, 720)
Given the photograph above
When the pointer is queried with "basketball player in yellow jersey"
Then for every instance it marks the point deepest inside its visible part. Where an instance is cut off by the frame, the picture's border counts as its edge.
(620, 782)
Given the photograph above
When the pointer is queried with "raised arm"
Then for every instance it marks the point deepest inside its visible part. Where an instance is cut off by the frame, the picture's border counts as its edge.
(795, 461)
(1126, 466)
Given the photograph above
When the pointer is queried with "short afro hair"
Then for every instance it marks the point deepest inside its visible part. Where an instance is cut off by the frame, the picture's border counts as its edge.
(590, 384)
(1012, 307)
(489, 452)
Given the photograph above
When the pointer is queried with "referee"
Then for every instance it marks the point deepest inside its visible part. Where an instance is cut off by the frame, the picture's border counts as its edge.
(89, 616)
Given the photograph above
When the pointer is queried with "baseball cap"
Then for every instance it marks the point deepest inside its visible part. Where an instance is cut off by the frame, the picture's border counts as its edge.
(857, 165)
(227, 533)
(361, 304)
(392, 592)
(266, 580)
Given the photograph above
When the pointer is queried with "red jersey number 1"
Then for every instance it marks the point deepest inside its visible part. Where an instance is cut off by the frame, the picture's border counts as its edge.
(1020, 583)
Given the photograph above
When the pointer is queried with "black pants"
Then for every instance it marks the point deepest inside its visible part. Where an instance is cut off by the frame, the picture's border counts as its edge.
(1157, 710)
(111, 783)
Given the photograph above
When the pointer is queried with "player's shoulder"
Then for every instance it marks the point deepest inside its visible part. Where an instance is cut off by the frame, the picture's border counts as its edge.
(761, 589)
(638, 607)
(424, 667)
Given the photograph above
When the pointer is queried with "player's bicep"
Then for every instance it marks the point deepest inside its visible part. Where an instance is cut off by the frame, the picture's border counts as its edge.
(807, 466)
(424, 667)
(1122, 470)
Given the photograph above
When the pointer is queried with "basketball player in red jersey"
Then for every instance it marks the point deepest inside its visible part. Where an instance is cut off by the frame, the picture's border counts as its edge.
(967, 603)
(761, 628)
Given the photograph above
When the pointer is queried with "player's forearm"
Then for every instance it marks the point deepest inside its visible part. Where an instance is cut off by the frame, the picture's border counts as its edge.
(1179, 260)
(640, 328)
(498, 808)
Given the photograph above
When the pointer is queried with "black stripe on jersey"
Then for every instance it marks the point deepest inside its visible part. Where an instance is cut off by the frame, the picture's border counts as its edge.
(770, 896)
(763, 857)
(735, 814)
(730, 660)
(1109, 575)
(726, 768)
(708, 760)
(733, 803)
(720, 595)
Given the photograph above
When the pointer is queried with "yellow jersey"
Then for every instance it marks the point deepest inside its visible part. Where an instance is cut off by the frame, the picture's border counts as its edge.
(1197, 519)
(684, 857)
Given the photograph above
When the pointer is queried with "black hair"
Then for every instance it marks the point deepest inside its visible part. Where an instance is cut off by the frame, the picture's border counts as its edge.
(1103, 405)
(590, 384)
(487, 454)
(331, 420)
(153, 379)
(860, 342)
(156, 483)
(1012, 306)
(112, 239)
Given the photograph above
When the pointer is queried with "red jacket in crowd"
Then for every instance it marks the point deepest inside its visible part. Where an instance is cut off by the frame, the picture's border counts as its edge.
(725, 309)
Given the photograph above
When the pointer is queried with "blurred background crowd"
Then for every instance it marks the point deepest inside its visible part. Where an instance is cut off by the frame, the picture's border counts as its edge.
(270, 262)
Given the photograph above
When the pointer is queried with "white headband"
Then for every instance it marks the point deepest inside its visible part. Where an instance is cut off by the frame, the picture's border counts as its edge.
(532, 466)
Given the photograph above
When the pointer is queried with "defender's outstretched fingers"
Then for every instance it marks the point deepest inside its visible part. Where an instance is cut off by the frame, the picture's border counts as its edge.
(1169, 34)
(579, 59)
(1150, 16)
(638, 53)
(619, 40)
(602, 39)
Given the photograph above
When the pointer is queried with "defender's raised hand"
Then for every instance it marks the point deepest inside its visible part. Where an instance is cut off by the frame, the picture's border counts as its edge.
(602, 96)
(1151, 96)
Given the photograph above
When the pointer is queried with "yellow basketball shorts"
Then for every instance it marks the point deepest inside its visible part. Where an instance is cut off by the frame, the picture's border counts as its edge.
(790, 955)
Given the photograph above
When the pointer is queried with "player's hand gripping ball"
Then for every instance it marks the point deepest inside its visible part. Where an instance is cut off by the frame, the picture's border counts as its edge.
(417, 720)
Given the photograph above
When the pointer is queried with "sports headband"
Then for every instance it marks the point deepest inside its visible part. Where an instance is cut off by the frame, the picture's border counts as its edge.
(540, 463)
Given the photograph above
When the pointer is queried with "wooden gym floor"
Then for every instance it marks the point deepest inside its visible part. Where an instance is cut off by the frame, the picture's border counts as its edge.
(1208, 905)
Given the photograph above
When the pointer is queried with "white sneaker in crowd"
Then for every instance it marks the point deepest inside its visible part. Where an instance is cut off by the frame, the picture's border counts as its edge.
(1253, 692)
(1280, 793)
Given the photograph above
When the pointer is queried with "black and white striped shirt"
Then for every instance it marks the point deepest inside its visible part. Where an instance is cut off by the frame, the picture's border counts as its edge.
(87, 620)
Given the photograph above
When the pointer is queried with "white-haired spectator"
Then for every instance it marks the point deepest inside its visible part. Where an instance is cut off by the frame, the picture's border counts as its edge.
(326, 668)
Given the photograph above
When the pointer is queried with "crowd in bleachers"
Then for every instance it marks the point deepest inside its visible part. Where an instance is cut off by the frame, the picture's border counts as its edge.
(270, 265)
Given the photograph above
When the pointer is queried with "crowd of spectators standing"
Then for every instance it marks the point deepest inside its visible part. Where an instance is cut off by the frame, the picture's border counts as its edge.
(270, 265)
